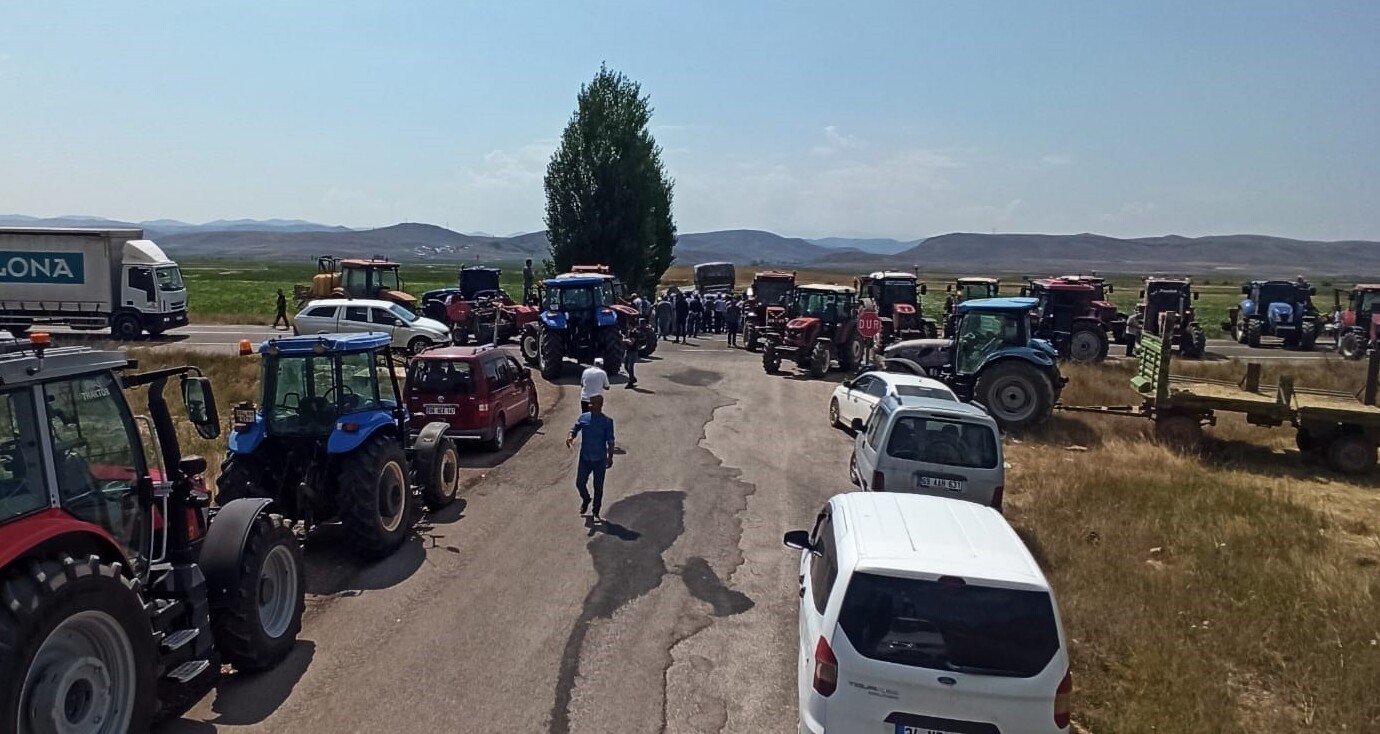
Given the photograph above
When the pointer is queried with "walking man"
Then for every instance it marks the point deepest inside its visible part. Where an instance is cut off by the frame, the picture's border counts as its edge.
(282, 311)
(593, 382)
(631, 347)
(731, 314)
(596, 453)
(682, 316)
(665, 317)
(720, 313)
(527, 282)
(696, 311)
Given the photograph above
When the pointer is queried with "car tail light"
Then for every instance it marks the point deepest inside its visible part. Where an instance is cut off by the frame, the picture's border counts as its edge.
(827, 670)
(997, 496)
(878, 482)
(1061, 700)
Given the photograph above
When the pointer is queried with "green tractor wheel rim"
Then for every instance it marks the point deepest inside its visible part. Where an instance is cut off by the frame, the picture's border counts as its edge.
(278, 589)
(82, 679)
(392, 497)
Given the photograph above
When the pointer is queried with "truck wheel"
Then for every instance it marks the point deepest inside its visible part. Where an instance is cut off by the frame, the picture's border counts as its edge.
(263, 614)
(1016, 394)
(820, 358)
(1350, 346)
(1088, 343)
(1179, 431)
(76, 650)
(528, 345)
(375, 498)
(550, 355)
(771, 361)
(126, 327)
(436, 468)
(240, 476)
(1253, 328)
(751, 341)
(611, 349)
(1352, 453)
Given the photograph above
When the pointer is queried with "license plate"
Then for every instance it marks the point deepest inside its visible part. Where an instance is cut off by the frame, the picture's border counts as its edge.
(244, 415)
(440, 410)
(908, 729)
(953, 485)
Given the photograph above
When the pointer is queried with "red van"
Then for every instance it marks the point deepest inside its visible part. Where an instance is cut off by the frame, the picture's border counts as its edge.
(480, 391)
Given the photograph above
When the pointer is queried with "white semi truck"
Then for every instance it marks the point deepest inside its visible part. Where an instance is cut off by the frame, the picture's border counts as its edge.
(88, 279)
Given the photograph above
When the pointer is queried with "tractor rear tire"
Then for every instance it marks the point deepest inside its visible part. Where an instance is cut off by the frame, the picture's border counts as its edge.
(1179, 431)
(649, 343)
(1308, 336)
(611, 349)
(852, 354)
(76, 649)
(1351, 346)
(263, 614)
(1088, 343)
(460, 336)
(241, 475)
(528, 344)
(1197, 342)
(1016, 394)
(550, 355)
(1253, 328)
(751, 341)
(375, 497)
(1352, 453)
(820, 357)
(436, 469)
(771, 361)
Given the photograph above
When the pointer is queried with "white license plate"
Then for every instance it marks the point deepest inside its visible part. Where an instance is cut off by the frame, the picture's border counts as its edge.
(244, 415)
(907, 729)
(440, 410)
(953, 485)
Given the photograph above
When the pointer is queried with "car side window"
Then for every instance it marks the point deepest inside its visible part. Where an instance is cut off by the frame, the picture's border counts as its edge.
(862, 383)
(493, 374)
(322, 312)
(877, 389)
(824, 567)
(874, 427)
(514, 369)
(381, 317)
(357, 313)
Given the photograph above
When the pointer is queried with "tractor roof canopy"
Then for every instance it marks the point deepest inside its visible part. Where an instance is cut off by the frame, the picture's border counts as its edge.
(1062, 284)
(976, 280)
(375, 264)
(774, 275)
(822, 288)
(572, 280)
(997, 305)
(326, 344)
(20, 362)
(1367, 287)
(892, 275)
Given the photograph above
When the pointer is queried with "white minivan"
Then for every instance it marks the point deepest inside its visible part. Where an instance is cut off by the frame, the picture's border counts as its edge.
(930, 446)
(352, 315)
(925, 615)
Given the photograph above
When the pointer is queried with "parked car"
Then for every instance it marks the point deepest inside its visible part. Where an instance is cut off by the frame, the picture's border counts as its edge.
(929, 446)
(480, 391)
(925, 614)
(854, 399)
(352, 315)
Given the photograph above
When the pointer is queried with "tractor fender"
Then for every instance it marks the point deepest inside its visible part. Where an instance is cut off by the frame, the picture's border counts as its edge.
(553, 319)
(428, 440)
(247, 442)
(1034, 356)
(344, 441)
(223, 548)
(1089, 321)
(58, 530)
(901, 364)
(1247, 308)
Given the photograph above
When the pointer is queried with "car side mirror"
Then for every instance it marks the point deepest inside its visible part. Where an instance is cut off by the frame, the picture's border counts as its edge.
(200, 403)
(398, 322)
(798, 539)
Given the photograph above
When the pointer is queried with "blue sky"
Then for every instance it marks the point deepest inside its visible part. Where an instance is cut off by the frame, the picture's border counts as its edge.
(890, 119)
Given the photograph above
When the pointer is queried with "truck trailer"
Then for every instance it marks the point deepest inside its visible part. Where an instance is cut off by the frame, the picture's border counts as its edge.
(88, 279)
(715, 278)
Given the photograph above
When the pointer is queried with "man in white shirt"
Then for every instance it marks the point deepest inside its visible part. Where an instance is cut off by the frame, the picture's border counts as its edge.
(593, 381)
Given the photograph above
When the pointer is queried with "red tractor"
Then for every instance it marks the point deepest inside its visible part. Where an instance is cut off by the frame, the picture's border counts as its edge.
(768, 300)
(119, 587)
(1164, 296)
(1071, 315)
(897, 298)
(824, 328)
(1357, 329)
(479, 309)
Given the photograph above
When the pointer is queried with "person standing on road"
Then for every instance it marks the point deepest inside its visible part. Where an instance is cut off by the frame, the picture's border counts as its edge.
(282, 311)
(631, 347)
(682, 316)
(593, 381)
(696, 311)
(731, 315)
(527, 278)
(720, 313)
(665, 317)
(596, 453)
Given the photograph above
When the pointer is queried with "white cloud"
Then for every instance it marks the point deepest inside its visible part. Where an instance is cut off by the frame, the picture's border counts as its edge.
(834, 142)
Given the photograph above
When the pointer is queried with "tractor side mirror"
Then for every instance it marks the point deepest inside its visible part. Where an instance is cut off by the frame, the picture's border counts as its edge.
(1195, 295)
(1111, 288)
(1245, 290)
(200, 403)
(1142, 293)
(798, 539)
(1312, 291)
(923, 289)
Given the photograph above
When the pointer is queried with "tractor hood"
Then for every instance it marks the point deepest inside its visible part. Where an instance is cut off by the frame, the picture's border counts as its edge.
(399, 297)
(928, 353)
(628, 311)
(1281, 313)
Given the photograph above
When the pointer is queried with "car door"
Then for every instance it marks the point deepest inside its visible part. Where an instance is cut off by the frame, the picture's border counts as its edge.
(317, 319)
(876, 390)
(818, 572)
(854, 408)
(522, 390)
(500, 390)
(514, 398)
(354, 319)
(381, 319)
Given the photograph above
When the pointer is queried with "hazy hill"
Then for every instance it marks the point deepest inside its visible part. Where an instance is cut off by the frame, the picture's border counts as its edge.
(746, 246)
(874, 246)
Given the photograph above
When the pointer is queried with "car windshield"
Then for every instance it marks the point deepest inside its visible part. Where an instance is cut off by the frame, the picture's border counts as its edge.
(941, 441)
(920, 391)
(441, 377)
(772, 292)
(953, 626)
(406, 316)
(169, 278)
(898, 291)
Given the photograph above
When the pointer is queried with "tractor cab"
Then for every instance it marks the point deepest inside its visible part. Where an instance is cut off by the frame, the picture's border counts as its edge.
(827, 304)
(769, 298)
(1165, 295)
(1276, 308)
(581, 317)
(969, 289)
(478, 282)
(1069, 314)
(984, 331)
(822, 329)
(311, 385)
(373, 278)
(897, 298)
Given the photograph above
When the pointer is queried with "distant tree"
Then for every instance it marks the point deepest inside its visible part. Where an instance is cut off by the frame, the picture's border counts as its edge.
(608, 198)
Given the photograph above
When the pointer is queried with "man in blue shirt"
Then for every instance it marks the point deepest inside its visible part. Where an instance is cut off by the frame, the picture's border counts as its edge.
(596, 452)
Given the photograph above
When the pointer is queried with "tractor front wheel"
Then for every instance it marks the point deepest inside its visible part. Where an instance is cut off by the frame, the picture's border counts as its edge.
(771, 361)
(528, 344)
(1088, 343)
(1308, 338)
(1351, 346)
(1352, 453)
(1016, 394)
(375, 497)
(1253, 329)
(76, 650)
(750, 339)
(820, 357)
(852, 355)
(263, 614)
(1193, 342)
(550, 355)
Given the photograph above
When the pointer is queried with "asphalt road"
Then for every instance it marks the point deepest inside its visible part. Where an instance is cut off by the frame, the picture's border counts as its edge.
(508, 612)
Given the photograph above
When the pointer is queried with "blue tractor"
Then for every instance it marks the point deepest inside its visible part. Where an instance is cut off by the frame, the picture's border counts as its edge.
(330, 441)
(580, 319)
(991, 359)
(1278, 308)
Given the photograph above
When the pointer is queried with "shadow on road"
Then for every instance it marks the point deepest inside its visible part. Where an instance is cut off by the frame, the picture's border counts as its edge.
(245, 699)
(517, 437)
(333, 569)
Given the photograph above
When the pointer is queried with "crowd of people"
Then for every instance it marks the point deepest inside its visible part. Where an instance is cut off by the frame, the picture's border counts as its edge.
(680, 316)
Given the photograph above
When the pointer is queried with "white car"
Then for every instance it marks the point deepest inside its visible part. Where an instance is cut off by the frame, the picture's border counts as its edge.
(353, 315)
(925, 615)
(854, 399)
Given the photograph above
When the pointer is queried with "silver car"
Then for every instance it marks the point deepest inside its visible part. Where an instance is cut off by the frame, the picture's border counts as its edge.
(353, 315)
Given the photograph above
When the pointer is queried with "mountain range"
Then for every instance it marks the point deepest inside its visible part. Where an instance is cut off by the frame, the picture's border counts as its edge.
(1246, 255)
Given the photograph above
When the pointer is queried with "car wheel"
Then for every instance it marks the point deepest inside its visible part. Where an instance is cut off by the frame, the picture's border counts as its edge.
(496, 443)
(417, 344)
(834, 413)
(533, 408)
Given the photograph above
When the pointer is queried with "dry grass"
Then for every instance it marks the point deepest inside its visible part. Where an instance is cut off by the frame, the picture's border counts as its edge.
(1232, 591)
